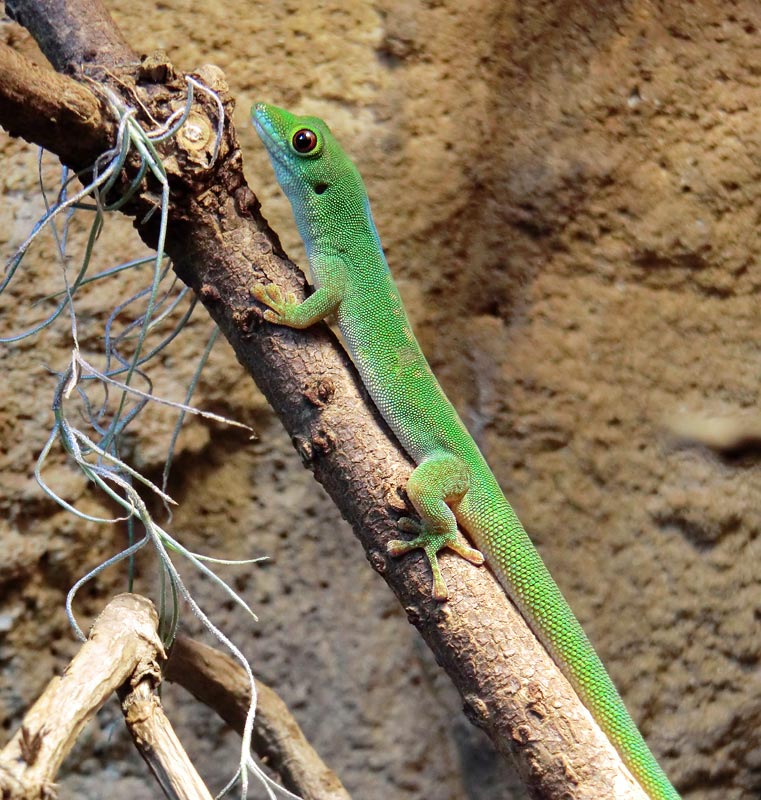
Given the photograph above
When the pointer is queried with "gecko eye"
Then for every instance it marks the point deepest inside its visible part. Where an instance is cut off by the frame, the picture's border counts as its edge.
(304, 141)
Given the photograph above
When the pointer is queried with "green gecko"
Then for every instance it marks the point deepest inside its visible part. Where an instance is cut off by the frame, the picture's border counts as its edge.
(452, 482)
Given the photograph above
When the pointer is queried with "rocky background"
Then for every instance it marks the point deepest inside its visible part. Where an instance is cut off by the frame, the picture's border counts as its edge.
(569, 195)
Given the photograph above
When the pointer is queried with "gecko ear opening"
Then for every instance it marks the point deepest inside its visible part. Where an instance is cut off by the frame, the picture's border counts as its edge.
(319, 188)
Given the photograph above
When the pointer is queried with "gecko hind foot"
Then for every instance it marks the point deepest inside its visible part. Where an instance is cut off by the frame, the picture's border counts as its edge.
(431, 542)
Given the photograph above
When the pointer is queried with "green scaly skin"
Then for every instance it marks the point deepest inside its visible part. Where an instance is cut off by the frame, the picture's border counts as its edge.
(452, 482)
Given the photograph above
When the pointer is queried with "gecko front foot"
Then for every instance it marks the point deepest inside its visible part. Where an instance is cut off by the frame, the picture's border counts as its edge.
(431, 542)
(279, 305)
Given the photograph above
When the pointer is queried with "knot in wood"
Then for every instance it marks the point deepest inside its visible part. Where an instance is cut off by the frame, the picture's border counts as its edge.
(304, 449)
(197, 138)
(522, 734)
(320, 392)
(476, 710)
(378, 562)
(322, 442)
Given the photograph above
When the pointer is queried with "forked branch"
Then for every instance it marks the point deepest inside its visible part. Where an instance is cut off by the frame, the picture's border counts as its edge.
(124, 654)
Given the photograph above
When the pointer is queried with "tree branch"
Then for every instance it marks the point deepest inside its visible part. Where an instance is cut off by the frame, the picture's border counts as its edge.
(123, 654)
(123, 642)
(220, 244)
(51, 110)
(156, 740)
(73, 33)
(222, 684)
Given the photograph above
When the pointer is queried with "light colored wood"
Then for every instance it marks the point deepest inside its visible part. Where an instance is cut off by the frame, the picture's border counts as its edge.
(122, 651)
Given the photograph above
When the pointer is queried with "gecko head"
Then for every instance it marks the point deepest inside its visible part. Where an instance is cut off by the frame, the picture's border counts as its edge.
(307, 159)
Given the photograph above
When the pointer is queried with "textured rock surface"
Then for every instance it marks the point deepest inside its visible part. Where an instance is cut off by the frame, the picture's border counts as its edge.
(569, 195)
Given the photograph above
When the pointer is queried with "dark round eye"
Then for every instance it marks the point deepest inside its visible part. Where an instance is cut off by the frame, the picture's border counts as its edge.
(304, 141)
